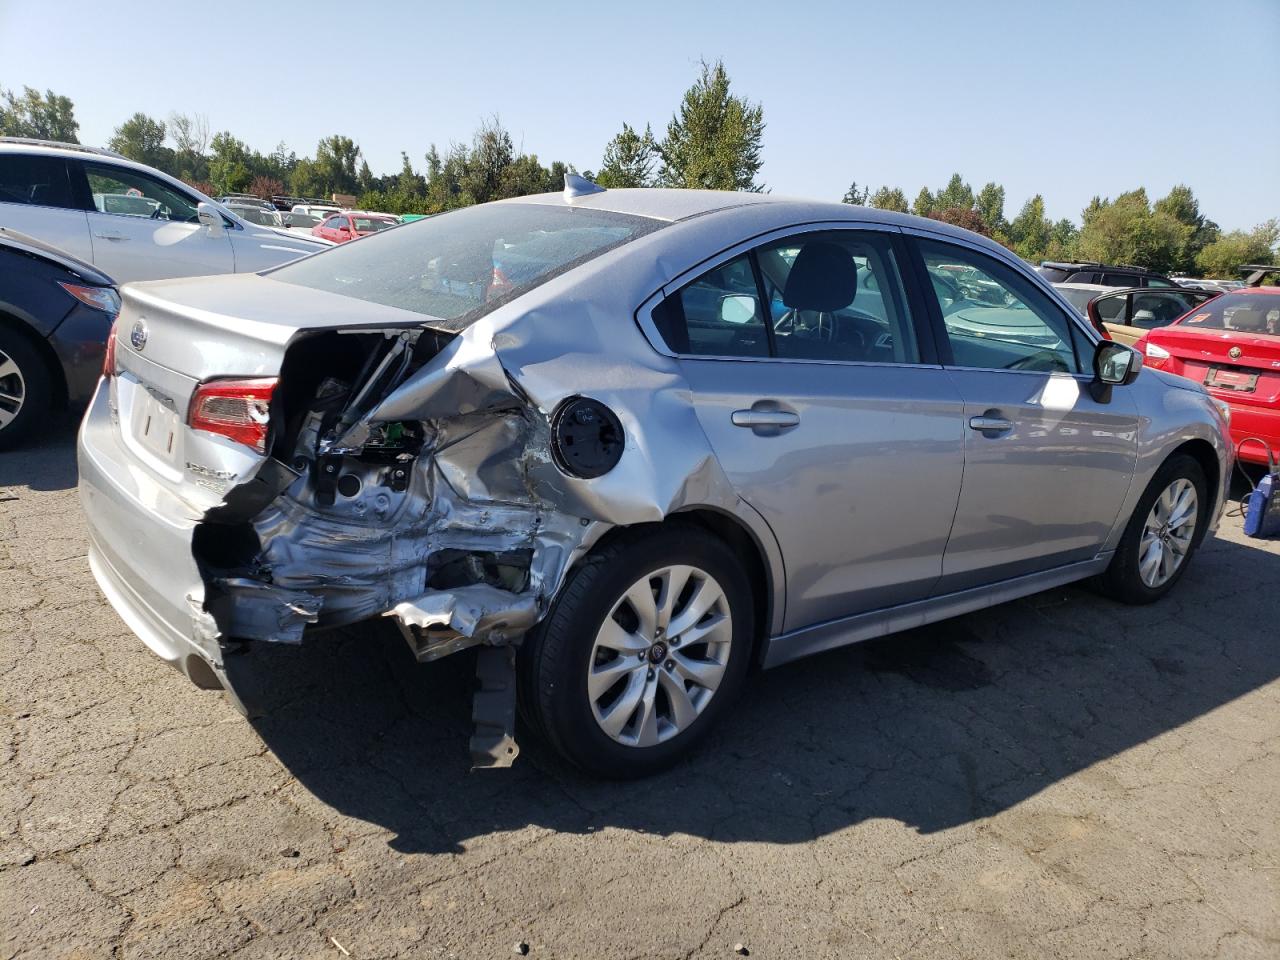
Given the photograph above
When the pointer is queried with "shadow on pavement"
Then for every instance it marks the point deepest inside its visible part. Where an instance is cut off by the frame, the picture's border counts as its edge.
(47, 459)
(934, 727)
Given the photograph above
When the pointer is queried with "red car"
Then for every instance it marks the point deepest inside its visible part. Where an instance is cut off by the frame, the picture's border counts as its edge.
(1231, 344)
(342, 227)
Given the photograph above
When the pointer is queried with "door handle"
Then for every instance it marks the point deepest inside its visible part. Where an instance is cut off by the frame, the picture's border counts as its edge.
(989, 425)
(765, 418)
(112, 235)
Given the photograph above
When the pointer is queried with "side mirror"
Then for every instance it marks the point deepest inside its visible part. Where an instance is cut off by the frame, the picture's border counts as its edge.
(209, 216)
(1114, 365)
(737, 308)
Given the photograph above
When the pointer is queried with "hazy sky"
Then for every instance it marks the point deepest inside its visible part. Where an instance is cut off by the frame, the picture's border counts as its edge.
(1068, 99)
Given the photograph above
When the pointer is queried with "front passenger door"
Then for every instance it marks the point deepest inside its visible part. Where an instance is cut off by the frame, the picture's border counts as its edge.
(143, 229)
(1047, 467)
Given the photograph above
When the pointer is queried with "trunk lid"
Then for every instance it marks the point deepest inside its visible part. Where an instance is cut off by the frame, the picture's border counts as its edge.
(173, 335)
(1236, 366)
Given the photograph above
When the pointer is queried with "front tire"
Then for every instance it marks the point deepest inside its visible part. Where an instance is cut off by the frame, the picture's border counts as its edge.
(1162, 535)
(643, 650)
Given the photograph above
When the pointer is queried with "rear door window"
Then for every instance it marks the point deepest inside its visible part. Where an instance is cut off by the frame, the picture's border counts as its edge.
(833, 296)
(1119, 280)
(718, 315)
(35, 180)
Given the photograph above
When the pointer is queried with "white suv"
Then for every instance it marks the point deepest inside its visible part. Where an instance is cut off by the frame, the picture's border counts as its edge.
(129, 220)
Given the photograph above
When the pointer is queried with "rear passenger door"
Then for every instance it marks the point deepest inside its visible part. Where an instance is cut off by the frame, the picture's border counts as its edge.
(827, 412)
(36, 198)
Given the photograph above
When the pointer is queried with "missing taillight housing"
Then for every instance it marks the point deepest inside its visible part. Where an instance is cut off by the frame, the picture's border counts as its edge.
(239, 410)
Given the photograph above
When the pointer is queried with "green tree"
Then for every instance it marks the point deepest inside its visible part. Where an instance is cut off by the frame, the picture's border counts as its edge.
(1181, 204)
(190, 135)
(630, 159)
(990, 206)
(855, 195)
(47, 117)
(713, 141)
(1031, 231)
(1224, 256)
(1062, 241)
(335, 162)
(956, 193)
(889, 198)
(1128, 230)
(924, 203)
(141, 138)
(229, 164)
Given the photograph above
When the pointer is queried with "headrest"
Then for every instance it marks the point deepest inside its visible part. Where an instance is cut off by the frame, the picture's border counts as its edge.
(1247, 319)
(823, 278)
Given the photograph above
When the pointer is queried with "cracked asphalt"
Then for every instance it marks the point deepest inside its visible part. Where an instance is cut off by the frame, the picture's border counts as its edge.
(1056, 777)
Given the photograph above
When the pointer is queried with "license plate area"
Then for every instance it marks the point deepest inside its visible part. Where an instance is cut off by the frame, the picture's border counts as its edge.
(151, 427)
(1229, 378)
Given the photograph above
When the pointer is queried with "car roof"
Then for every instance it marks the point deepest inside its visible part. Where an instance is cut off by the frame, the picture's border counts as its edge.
(674, 205)
(1247, 290)
(1087, 286)
(21, 242)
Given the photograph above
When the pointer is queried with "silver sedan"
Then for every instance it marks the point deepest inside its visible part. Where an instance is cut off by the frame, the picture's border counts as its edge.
(630, 445)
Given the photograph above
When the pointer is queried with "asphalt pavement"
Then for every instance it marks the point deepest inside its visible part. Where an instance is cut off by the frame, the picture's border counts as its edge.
(1056, 777)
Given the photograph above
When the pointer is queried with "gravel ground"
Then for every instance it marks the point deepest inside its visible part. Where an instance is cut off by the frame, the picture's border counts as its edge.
(1057, 777)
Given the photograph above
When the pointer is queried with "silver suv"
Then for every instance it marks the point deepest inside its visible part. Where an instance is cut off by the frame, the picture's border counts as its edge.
(631, 445)
(129, 220)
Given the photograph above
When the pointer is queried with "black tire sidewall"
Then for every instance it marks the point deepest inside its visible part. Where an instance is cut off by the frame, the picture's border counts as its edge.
(1123, 579)
(37, 386)
(555, 656)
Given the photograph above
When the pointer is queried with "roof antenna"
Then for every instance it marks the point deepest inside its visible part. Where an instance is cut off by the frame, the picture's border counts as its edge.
(576, 186)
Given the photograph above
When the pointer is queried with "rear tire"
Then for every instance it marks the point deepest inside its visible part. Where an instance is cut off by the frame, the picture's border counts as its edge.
(1156, 549)
(26, 389)
(643, 650)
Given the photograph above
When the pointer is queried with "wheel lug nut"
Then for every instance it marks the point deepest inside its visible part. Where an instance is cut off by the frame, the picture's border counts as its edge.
(675, 641)
(649, 676)
(671, 664)
(640, 657)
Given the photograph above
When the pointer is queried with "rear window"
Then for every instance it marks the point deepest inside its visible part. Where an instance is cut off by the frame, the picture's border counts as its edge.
(371, 224)
(1052, 274)
(1252, 313)
(38, 180)
(461, 265)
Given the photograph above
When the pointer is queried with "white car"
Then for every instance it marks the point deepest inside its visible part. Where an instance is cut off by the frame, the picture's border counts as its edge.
(129, 220)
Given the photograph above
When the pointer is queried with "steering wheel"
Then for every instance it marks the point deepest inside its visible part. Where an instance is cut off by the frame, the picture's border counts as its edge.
(1043, 361)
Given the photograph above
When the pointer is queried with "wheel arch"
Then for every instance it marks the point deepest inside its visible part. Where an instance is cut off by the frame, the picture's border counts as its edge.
(53, 365)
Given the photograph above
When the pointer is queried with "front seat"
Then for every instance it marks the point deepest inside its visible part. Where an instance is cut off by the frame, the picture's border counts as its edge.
(823, 279)
(1247, 320)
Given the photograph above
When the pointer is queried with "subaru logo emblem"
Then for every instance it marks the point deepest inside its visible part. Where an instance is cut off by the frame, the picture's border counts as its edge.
(138, 335)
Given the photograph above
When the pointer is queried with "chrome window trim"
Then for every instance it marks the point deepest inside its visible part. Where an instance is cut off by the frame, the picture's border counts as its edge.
(644, 313)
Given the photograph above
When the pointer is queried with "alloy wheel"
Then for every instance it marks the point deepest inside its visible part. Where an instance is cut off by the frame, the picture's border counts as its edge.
(659, 656)
(1168, 532)
(13, 390)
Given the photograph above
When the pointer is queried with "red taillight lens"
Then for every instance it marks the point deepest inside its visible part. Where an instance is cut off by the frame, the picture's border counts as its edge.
(239, 410)
(109, 358)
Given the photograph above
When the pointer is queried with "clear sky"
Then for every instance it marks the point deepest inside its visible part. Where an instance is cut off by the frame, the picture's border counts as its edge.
(1068, 99)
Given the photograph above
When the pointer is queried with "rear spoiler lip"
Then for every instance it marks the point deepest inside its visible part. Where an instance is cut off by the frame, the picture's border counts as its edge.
(1255, 272)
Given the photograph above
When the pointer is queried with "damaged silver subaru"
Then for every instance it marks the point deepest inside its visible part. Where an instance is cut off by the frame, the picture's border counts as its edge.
(631, 444)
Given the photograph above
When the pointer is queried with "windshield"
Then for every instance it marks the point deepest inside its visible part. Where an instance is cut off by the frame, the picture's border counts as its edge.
(259, 215)
(1078, 298)
(1253, 313)
(461, 265)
